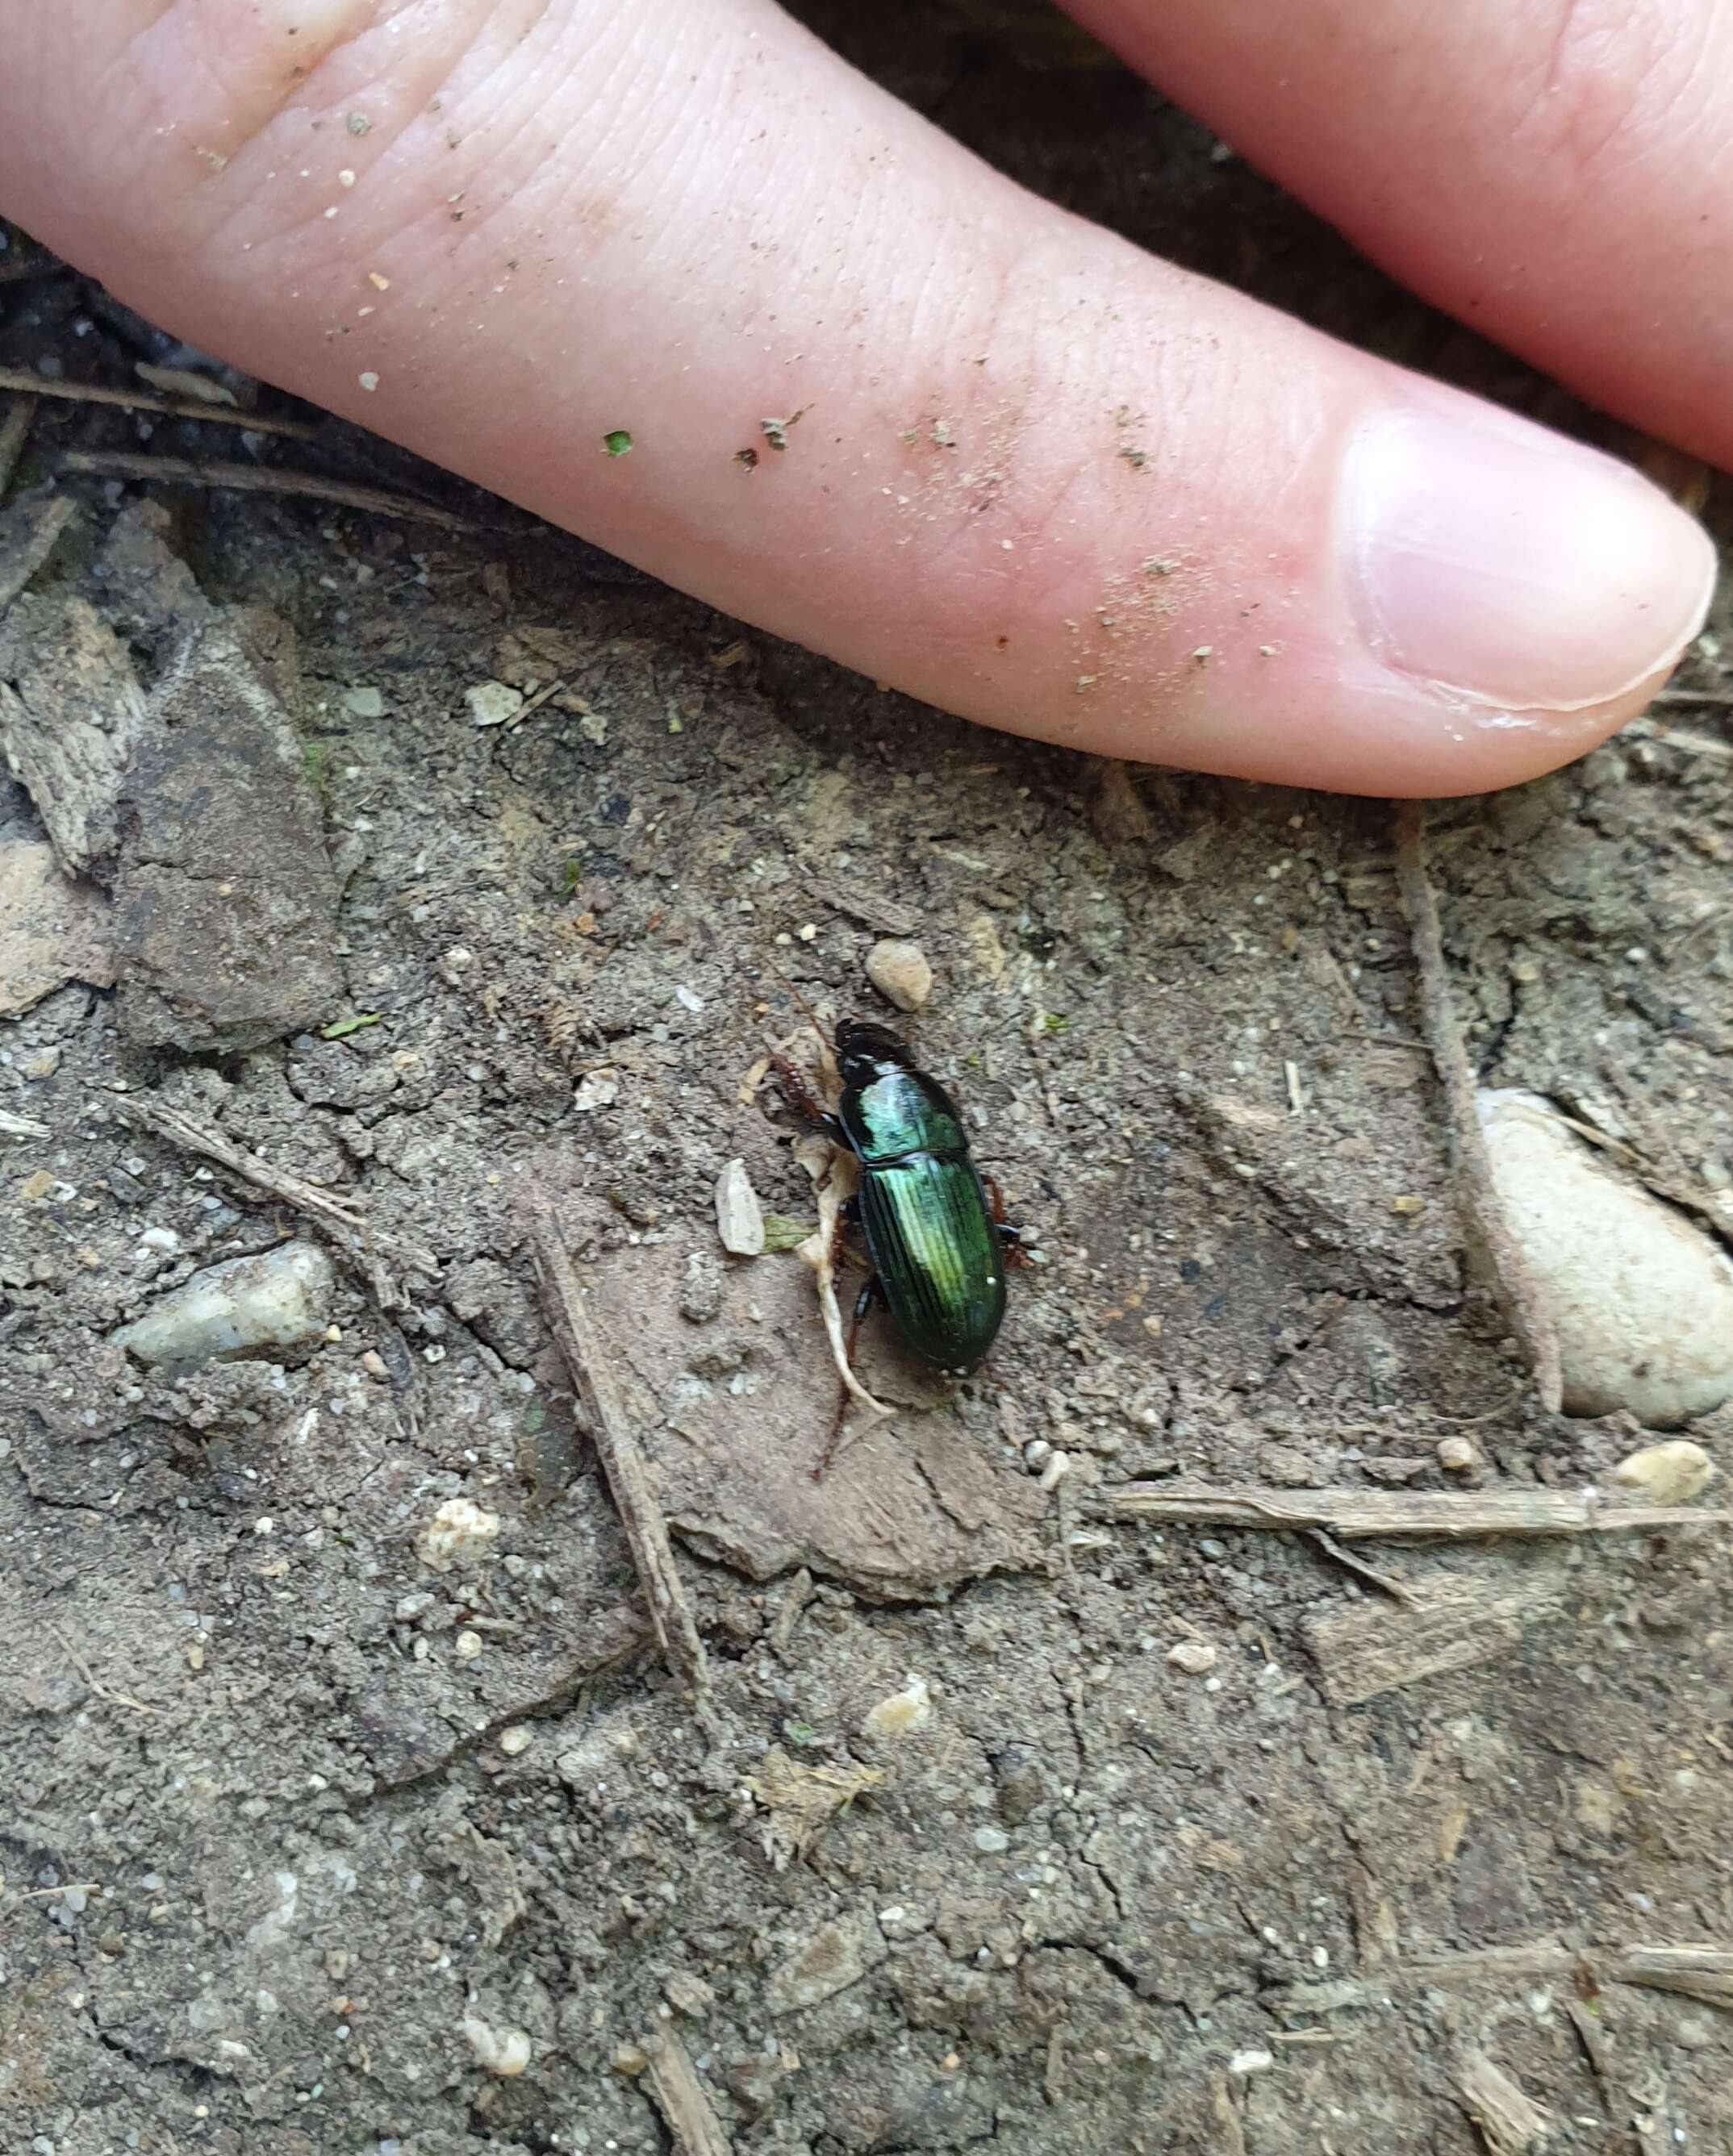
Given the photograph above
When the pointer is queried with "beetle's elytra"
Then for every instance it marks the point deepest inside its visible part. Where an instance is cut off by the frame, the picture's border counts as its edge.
(937, 1253)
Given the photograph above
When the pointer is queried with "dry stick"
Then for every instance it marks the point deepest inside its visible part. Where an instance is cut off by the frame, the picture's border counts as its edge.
(153, 401)
(1394, 1515)
(1658, 730)
(96, 1685)
(254, 479)
(14, 433)
(682, 2099)
(585, 1352)
(341, 1218)
(1477, 1192)
(1397, 1589)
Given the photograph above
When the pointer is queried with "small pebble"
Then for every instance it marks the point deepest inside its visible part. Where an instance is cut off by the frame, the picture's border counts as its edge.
(595, 1089)
(502, 2052)
(1054, 1473)
(491, 703)
(279, 1299)
(900, 972)
(1670, 1473)
(461, 1532)
(991, 1840)
(902, 1712)
(739, 1218)
(364, 703)
(1251, 2062)
(515, 1739)
(1196, 1657)
(1457, 1454)
(467, 1647)
(1642, 1301)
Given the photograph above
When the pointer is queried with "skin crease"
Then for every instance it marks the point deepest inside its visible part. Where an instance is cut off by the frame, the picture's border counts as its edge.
(565, 218)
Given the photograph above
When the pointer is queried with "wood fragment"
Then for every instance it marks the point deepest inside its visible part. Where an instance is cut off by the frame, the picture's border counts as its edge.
(870, 908)
(28, 537)
(1399, 1514)
(1365, 1650)
(682, 2099)
(799, 1803)
(1482, 1208)
(153, 401)
(341, 1219)
(1592, 2037)
(14, 433)
(1693, 744)
(1229, 2138)
(1509, 2121)
(1387, 1582)
(257, 479)
(587, 1360)
(1700, 1972)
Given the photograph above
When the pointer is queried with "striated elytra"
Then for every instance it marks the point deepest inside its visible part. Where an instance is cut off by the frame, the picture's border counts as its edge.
(938, 1252)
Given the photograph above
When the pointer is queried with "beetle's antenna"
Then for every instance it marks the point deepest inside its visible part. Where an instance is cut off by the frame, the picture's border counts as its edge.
(812, 1017)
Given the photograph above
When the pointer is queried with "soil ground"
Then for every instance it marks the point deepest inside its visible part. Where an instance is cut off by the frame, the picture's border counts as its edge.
(271, 1831)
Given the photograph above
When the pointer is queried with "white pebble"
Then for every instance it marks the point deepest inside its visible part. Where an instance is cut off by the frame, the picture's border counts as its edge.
(491, 703)
(991, 1840)
(1251, 2062)
(502, 2052)
(467, 1647)
(1196, 1657)
(1670, 1473)
(739, 1218)
(900, 972)
(1457, 1454)
(279, 1299)
(1054, 1473)
(461, 1532)
(515, 1739)
(1642, 1301)
(902, 1712)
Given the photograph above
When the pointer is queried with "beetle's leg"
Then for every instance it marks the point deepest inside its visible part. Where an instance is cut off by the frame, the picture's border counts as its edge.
(874, 1291)
(1010, 1239)
(806, 1104)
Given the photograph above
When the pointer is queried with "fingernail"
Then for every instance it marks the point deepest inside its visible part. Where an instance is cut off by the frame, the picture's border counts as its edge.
(1512, 566)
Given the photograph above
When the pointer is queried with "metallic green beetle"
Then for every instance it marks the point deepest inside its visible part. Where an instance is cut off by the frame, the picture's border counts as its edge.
(938, 1247)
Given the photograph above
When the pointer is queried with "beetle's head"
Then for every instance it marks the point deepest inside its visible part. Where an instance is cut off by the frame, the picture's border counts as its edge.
(864, 1050)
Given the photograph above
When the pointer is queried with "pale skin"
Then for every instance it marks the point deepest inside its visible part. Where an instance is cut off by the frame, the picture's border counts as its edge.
(500, 231)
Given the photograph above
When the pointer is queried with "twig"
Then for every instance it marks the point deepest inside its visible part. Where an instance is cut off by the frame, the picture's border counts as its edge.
(1396, 1515)
(1717, 699)
(1396, 1588)
(341, 1218)
(585, 1352)
(51, 1893)
(1658, 730)
(96, 1685)
(153, 401)
(680, 2098)
(1477, 1193)
(20, 1126)
(1509, 2120)
(1700, 1972)
(14, 433)
(254, 478)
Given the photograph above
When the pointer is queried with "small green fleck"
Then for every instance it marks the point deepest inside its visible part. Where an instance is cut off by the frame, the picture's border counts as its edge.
(340, 1029)
(1053, 1022)
(800, 1733)
(570, 876)
(313, 762)
(617, 443)
(783, 1232)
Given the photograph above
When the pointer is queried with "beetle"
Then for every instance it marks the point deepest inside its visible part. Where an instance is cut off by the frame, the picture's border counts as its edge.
(939, 1244)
